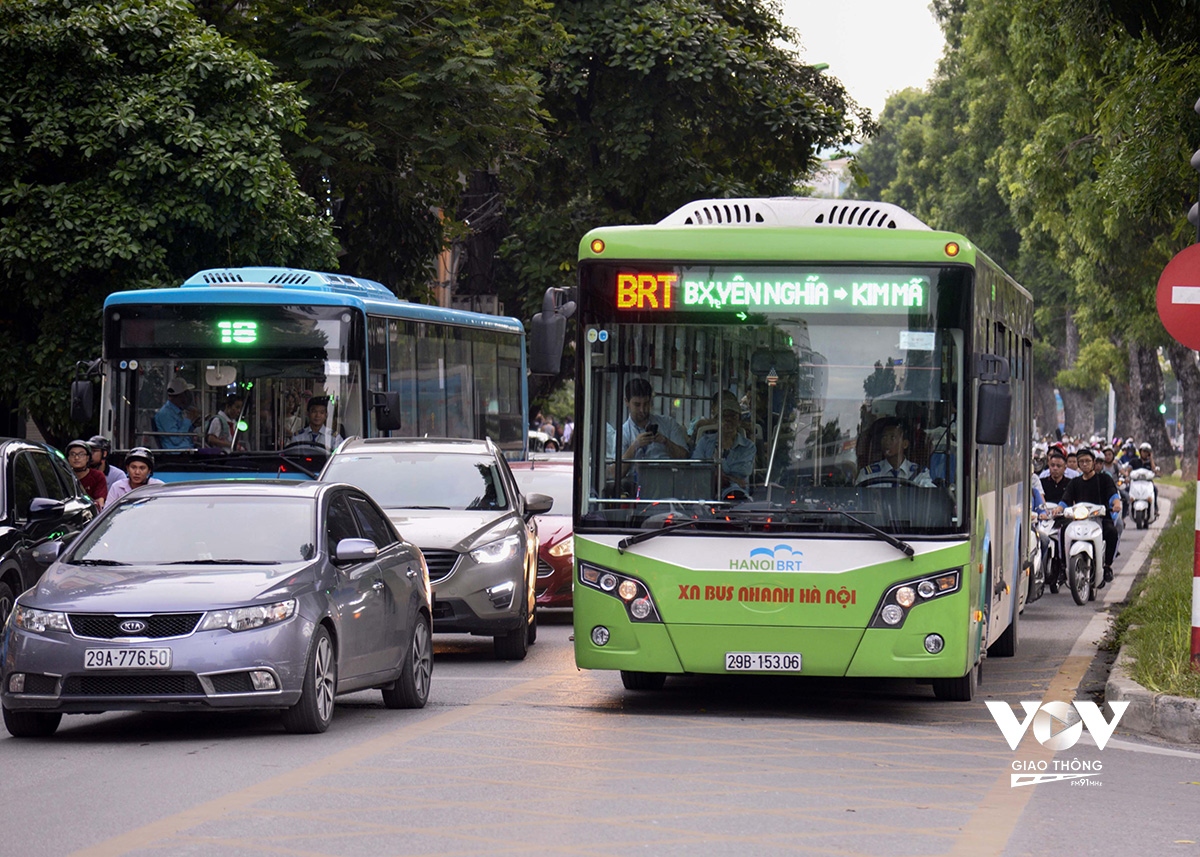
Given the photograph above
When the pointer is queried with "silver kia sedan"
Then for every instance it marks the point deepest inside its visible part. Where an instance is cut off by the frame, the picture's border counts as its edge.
(257, 594)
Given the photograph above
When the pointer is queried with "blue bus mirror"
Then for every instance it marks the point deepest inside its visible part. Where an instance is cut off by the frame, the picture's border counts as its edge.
(387, 410)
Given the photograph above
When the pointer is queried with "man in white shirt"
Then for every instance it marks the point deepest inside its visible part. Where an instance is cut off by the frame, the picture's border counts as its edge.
(317, 433)
(894, 468)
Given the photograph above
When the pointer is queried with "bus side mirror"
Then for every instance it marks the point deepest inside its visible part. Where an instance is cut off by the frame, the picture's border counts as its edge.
(83, 401)
(994, 401)
(548, 335)
(387, 410)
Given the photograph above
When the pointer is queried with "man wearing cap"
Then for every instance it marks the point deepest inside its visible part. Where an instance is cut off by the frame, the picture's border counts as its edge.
(728, 446)
(1092, 486)
(317, 433)
(176, 419)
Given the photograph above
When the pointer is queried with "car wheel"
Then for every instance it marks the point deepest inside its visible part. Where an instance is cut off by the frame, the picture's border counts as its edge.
(6, 603)
(642, 681)
(31, 724)
(531, 635)
(514, 645)
(411, 689)
(314, 710)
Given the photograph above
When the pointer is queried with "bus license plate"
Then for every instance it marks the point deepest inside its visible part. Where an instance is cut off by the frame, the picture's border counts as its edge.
(771, 662)
(125, 659)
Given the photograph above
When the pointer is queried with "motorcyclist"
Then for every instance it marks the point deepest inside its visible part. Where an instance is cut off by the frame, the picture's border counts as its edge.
(79, 453)
(1115, 472)
(140, 464)
(100, 447)
(1055, 481)
(1092, 486)
(1068, 471)
(1146, 455)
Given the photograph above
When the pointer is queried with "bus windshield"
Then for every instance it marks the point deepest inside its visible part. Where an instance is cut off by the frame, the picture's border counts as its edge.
(799, 410)
(291, 370)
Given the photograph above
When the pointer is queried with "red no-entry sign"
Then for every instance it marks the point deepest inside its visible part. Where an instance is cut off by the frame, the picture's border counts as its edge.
(1178, 297)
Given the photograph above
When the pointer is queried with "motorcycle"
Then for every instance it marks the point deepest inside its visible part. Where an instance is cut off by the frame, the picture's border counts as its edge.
(1050, 546)
(1083, 546)
(1141, 497)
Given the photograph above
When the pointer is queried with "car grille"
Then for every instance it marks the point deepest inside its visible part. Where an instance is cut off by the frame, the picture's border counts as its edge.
(41, 685)
(440, 562)
(544, 569)
(231, 683)
(106, 626)
(171, 684)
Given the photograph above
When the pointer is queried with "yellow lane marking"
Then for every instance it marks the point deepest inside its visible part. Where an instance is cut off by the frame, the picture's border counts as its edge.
(988, 829)
(148, 834)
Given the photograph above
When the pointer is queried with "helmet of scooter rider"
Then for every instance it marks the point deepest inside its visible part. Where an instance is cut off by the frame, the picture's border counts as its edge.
(100, 442)
(1086, 450)
(140, 453)
(82, 444)
(1144, 446)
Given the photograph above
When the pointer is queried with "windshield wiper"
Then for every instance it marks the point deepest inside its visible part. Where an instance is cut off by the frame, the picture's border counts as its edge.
(899, 544)
(223, 562)
(98, 562)
(649, 534)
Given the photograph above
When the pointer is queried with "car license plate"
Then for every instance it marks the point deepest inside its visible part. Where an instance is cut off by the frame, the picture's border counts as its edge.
(142, 658)
(770, 662)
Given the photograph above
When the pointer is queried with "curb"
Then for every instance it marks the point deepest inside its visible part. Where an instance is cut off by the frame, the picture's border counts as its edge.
(1173, 718)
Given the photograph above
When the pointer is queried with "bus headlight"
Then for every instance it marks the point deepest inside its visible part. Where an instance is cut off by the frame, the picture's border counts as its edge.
(907, 595)
(630, 591)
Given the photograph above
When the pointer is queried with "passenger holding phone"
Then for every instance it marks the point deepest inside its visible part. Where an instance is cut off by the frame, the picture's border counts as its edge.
(646, 435)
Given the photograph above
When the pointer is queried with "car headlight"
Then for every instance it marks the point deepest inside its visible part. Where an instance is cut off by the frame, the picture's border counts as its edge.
(246, 618)
(39, 621)
(499, 551)
(564, 548)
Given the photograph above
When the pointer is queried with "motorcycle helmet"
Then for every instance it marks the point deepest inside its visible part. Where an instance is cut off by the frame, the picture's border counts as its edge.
(140, 453)
(1086, 450)
(100, 442)
(1144, 446)
(82, 444)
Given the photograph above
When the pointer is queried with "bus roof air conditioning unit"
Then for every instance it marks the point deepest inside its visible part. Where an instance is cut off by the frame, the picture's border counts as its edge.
(792, 211)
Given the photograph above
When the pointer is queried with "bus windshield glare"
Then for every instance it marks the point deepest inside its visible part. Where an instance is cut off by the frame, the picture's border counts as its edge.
(779, 397)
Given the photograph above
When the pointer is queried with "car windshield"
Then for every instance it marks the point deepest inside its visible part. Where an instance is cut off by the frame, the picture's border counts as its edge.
(422, 480)
(556, 482)
(197, 529)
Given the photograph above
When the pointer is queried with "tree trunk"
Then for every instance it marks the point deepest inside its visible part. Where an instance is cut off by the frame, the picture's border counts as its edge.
(1146, 383)
(1187, 373)
(1045, 410)
(1077, 404)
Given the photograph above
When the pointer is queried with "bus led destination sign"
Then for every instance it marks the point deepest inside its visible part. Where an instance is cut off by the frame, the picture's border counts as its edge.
(690, 290)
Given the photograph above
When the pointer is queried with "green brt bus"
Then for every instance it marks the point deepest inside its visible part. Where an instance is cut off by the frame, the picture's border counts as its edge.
(802, 445)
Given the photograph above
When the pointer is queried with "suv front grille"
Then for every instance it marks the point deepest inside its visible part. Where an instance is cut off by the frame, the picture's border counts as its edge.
(440, 562)
(106, 626)
(176, 684)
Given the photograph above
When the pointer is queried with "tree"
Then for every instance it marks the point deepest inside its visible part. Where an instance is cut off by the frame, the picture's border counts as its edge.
(657, 103)
(407, 100)
(137, 146)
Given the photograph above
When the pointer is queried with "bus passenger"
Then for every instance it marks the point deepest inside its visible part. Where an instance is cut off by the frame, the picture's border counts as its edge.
(646, 435)
(317, 433)
(895, 466)
(729, 446)
(176, 419)
(222, 427)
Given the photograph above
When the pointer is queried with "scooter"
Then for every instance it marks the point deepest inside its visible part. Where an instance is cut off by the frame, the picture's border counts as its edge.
(1050, 544)
(1083, 546)
(1141, 497)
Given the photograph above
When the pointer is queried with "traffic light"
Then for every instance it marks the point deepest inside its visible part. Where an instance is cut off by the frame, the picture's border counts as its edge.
(1162, 408)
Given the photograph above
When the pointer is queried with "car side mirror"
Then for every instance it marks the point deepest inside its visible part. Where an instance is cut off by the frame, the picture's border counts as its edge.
(354, 550)
(45, 508)
(46, 553)
(537, 504)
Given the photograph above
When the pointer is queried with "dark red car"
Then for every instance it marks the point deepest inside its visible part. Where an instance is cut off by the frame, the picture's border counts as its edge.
(554, 477)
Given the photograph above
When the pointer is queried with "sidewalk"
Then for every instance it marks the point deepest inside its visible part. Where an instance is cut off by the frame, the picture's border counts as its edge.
(1173, 718)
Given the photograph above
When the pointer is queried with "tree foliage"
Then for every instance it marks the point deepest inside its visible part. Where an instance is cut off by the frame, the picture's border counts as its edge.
(137, 146)
(657, 103)
(406, 99)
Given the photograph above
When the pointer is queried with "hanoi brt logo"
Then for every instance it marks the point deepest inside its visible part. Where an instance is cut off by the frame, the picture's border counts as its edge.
(1056, 726)
(778, 558)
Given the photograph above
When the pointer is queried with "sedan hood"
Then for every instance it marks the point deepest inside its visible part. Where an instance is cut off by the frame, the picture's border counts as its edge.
(451, 529)
(141, 589)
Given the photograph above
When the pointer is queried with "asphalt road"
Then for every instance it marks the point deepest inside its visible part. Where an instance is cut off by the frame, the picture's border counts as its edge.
(539, 757)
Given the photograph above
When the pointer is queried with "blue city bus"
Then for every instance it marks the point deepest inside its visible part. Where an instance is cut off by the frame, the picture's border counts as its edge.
(281, 338)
